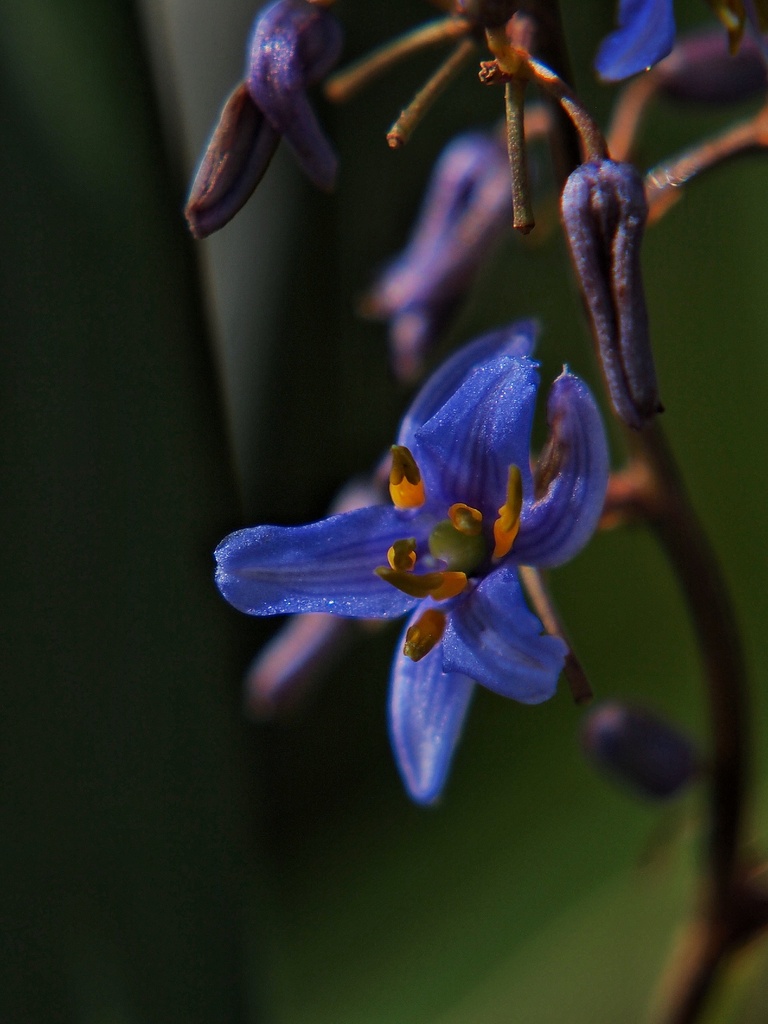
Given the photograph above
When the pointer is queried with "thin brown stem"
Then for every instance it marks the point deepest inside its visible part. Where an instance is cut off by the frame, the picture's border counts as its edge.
(628, 115)
(664, 184)
(685, 543)
(404, 126)
(522, 213)
(541, 599)
(592, 141)
(346, 83)
(652, 486)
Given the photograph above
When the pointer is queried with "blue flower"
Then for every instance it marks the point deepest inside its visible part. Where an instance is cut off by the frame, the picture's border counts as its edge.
(467, 510)
(645, 34)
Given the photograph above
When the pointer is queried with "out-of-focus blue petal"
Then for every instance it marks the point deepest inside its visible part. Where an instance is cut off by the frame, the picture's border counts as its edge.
(495, 639)
(467, 208)
(465, 449)
(468, 202)
(294, 44)
(516, 339)
(286, 667)
(646, 33)
(427, 708)
(326, 566)
(556, 527)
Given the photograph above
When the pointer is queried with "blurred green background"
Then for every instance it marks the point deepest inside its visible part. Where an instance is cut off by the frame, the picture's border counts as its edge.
(163, 859)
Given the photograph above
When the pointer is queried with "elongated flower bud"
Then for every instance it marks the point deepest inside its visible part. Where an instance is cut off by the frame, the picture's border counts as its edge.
(604, 212)
(640, 750)
(702, 69)
(233, 164)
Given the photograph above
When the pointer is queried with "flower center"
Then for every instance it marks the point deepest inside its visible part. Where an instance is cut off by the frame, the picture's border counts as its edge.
(457, 542)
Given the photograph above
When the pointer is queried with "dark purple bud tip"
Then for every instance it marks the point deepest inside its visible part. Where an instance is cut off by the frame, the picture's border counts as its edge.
(640, 750)
(237, 155)
(701, 69)
(293, 46)
(604, 213)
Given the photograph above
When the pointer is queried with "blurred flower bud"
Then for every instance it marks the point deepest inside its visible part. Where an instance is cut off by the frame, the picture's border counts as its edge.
(640, 750)
(702, 69)
(293, 46)
(234, 162)
(467, 208)
(604, 212)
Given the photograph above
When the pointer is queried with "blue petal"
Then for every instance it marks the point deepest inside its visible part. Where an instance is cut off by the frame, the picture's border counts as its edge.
(294, 44)
(646, 33)
(427, 708)
(516, 339)
(327, 566)
(495, 639)
(465, 449)
(556, 527)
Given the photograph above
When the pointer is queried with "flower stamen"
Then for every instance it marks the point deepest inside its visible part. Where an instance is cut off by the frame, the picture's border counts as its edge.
(465, 519)
(406, 487)
(402, 555)
(506, 527)
(424, 634)
(437, 585)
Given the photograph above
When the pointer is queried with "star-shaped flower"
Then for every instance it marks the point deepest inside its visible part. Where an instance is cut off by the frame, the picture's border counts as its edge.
(467, 510)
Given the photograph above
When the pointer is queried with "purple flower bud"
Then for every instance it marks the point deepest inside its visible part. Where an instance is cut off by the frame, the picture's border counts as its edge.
(640, 750)
(293, 45)
(237, 155)
(604, 212)
(467, 208)
(701, 69)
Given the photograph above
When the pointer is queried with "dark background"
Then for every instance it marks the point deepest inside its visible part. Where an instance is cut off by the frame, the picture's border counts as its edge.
(164, 859)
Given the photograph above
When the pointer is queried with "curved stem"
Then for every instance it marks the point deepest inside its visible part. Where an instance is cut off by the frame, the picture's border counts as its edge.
(664, 184)
(346, 83)
(679, 531)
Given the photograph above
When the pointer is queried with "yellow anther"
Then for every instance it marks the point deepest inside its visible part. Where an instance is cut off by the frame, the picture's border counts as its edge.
(402, 554)
(424, 634)
(405, 484)
(437, 585)
(506, 526)
(465, 519)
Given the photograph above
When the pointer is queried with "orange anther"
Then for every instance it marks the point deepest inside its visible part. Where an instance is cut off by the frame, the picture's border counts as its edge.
(424, 634)
(405, 484)
(506, 527)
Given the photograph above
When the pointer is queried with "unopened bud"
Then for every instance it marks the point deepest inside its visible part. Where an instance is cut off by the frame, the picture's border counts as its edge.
(234, 162)
(702, 69)
(604, 213)
(640, 750)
